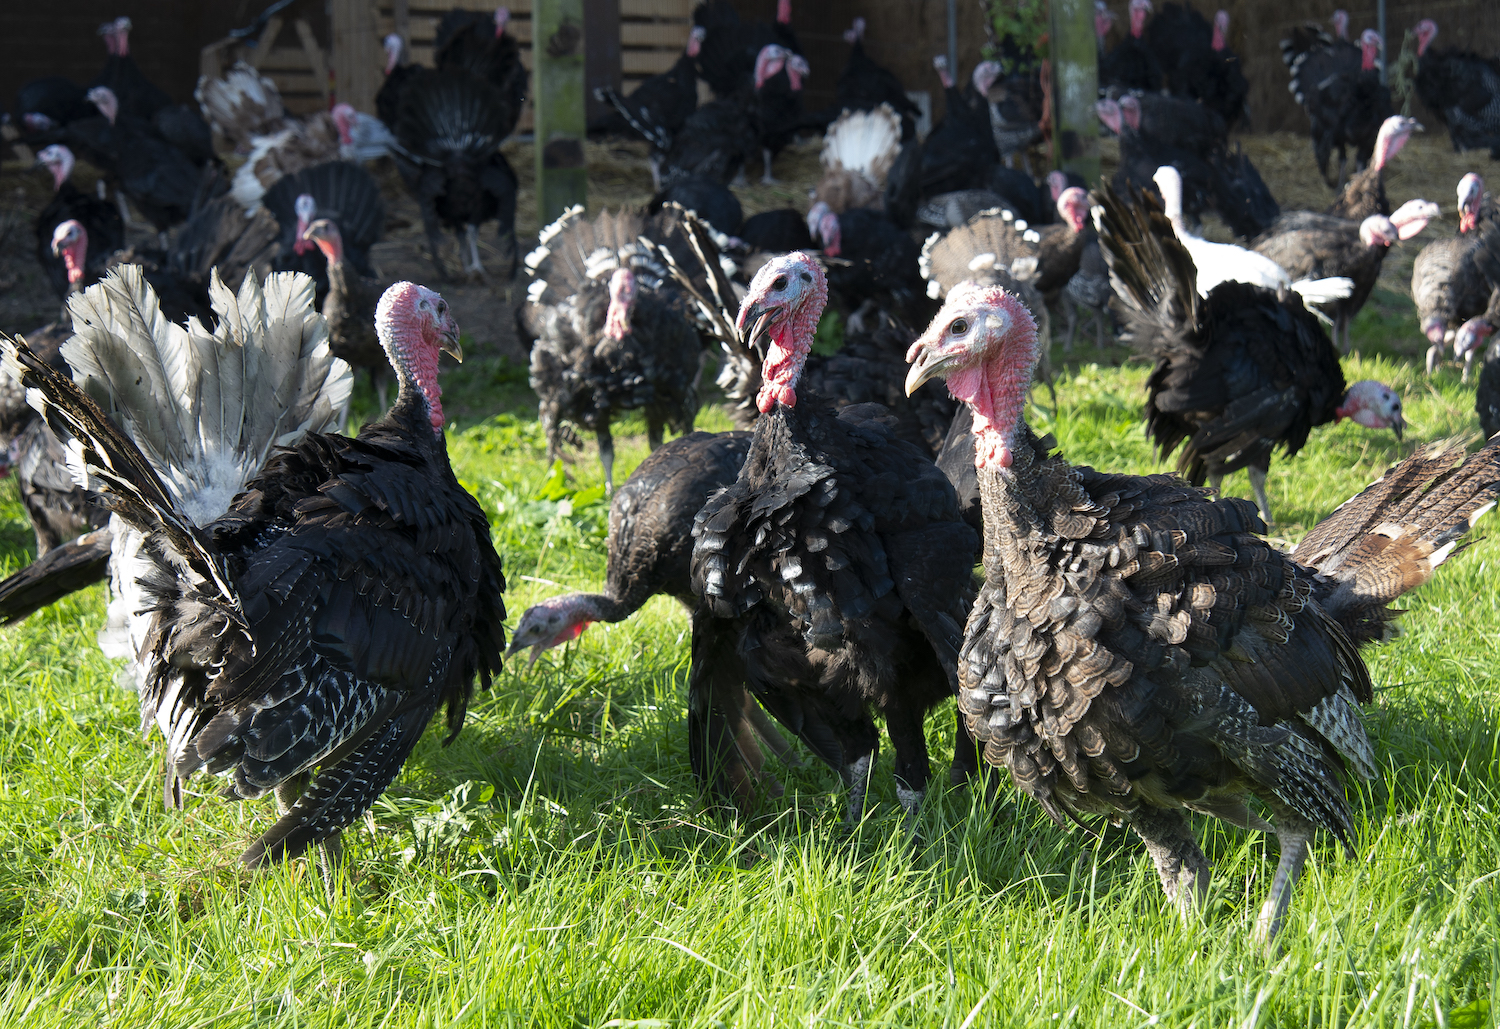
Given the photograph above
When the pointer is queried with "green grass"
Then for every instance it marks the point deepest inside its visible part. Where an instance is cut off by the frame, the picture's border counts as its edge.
(554, 867)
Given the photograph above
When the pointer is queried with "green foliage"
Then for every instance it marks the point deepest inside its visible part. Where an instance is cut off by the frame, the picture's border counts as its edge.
(830, 334)
(555, 867)
(1402, 72)
(1018, 32)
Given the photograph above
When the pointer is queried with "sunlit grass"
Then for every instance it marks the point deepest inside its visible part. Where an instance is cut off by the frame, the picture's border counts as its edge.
(553, 866)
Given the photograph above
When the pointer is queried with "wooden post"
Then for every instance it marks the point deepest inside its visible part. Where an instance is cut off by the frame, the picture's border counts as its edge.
(401, 20)
(557, 51)
(1075, 87)
(356, 53)
(315, 59)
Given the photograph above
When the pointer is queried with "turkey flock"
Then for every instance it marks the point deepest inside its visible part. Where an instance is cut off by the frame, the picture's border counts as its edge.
(881, 532)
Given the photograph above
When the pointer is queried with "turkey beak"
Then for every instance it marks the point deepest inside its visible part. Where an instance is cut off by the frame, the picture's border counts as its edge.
(760, 317)
(930, 364)
(1398, 426)
(450, 343)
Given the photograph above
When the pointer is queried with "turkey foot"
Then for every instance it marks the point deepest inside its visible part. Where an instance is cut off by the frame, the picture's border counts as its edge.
(768, 179)
(1293, 834)
(473, 267)
(1183, 869)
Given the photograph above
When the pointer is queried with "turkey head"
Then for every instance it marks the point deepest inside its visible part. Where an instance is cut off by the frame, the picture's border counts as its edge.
(785, 301)
(984, 342)
(414, 324)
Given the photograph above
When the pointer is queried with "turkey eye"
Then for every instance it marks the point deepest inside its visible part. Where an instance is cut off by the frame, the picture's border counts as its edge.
(442, 307)
(779, 284)
(806, 277)
(959, 327)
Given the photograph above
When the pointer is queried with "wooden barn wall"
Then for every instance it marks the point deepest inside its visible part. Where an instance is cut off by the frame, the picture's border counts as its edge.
(38, 39)
(47, 39)
(904, 34)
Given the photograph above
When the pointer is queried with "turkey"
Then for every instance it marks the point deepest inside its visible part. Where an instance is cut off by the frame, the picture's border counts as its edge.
(44, 104)
(138, 96)
(613, 332)
(297, 606)
(158, 177)
(99, 222)
(715, 142)
(450, 127)
(1141, 155)
(777, 102)
(245, 108)
(1137, 652)
(1446, 284)
(1318, 246)
(1225, 262)
(650, 553)
(834, 573)
(997, 249)
(727, 58)
(960, 149)
(397, 77)
(712, 201)
(1339, 87)
(1089, 289)
(1462, 89)
(220, 239)
(877, 268)
(1364, 193)
(1196, 61)
(58, 510)
(859, 149)
(1131, 64)
(476, 44)
(1472, 335)
(661, 105)
(349, 309)
(1239, 372)
(866, 86)
(341, 192)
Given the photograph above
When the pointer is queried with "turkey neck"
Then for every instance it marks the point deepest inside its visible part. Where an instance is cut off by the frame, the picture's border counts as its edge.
(1035, 504)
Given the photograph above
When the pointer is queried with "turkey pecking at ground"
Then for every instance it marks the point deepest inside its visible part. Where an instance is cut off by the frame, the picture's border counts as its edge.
(650, 554)
(835, 572)
(613, 332)
(296, 604)
(1239, 372)
(1462, 89)
(1137, 652)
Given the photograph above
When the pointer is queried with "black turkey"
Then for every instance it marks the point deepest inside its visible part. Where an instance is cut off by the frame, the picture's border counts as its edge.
(1339, 87)
(100, 231)
(1137, 652)
(833, 573)
(613, 332)
(1463, 89)
(297, 606)
(340, 192)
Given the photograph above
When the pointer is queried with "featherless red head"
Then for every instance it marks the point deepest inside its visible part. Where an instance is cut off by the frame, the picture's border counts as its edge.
(984, 342)
(785, 300)
(414, 324)
(70, 241)
(621, 303)
(1470, 196)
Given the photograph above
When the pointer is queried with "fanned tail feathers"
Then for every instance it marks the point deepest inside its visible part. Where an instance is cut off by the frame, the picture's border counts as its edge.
(1151, 271)
(241, 104)
(866, 142)
(1392, 536)
(656, 135)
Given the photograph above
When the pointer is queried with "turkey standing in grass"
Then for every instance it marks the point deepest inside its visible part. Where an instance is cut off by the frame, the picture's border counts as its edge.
(1337, 84)
(1447, 284)
(613, 334)
(1137, 652)
(1239, 372)
(298, 606)
(834, 573)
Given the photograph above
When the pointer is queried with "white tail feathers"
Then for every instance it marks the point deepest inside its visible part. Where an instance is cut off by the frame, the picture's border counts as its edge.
(865, 142)
(206, 409)
(241, 104)
(1323, 291)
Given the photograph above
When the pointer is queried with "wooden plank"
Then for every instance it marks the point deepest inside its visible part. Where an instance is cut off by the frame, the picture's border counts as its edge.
(356, 53)
(665, 35)
(263, 47)
(286, 58)
(314, 55)
(646, 62)
(518, 8)
(656, 8)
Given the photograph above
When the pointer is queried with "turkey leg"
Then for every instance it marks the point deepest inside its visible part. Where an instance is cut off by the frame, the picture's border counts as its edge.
(1258, 484)
(1183, 869)
(287, 791)
(768, 179)
(472, 265)
(912, 768)
(1293, 834)
(428, 207)
(607, 458)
